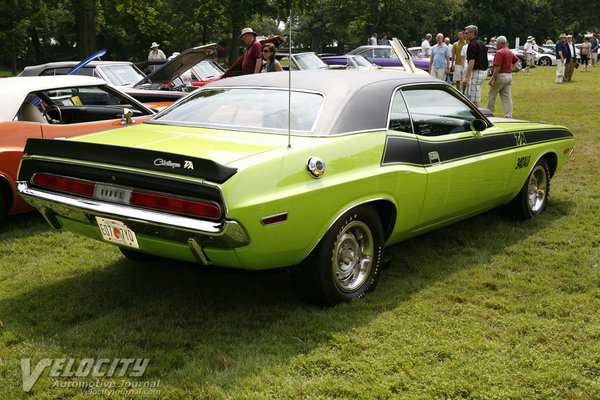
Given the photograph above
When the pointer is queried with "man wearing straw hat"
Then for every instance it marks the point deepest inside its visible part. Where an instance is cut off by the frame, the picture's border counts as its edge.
(155, 53)
(252, 62)
(528, 55)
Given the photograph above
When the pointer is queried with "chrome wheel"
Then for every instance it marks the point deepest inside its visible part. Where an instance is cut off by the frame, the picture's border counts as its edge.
(346, 264)
(537, 189)
(545, 61)
(353, 256)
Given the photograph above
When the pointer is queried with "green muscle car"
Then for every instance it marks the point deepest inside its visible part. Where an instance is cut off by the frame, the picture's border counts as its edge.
(249, 173)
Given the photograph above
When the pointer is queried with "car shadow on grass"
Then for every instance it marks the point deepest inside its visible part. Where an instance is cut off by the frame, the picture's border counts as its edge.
(215, 325)
(24, 224)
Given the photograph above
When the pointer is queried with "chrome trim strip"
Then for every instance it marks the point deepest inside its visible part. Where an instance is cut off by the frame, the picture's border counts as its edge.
(224, 234)
(132, 171)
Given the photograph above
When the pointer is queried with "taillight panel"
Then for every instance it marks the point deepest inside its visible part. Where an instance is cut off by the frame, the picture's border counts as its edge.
(139, 198)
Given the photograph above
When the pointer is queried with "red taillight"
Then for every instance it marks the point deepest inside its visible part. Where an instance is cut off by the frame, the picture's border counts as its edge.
(69, 185)
(154, 201)
(175, 204)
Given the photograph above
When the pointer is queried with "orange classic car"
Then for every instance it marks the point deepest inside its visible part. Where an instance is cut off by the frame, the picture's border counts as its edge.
(55, 107)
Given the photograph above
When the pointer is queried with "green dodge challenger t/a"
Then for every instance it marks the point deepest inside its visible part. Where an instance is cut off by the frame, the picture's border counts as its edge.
(371, 158)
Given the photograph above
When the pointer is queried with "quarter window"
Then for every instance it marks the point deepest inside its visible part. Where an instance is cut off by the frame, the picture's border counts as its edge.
(399, 118)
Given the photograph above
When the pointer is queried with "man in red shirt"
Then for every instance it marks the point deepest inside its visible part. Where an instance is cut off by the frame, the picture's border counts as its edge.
(501, 80)
(252, 62)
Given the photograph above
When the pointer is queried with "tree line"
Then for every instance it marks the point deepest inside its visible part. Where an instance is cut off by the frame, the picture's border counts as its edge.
(38, 31)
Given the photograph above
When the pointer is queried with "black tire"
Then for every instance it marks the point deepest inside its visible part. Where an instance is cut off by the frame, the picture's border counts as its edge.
(347, 262)
(3, 210)
(545, 61)
(533, 197)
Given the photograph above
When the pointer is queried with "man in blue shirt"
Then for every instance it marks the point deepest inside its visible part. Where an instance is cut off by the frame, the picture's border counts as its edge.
(439, 63)
(561, 54)
(594, 53)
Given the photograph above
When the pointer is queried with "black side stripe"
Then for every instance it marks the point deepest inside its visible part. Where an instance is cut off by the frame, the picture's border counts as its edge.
(410, 151)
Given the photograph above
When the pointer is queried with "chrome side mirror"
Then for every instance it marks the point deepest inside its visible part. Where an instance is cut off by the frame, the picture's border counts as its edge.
(127, 114)
(478, 125)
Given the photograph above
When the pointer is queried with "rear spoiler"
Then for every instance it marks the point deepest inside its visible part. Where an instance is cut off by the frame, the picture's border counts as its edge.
(131, 157)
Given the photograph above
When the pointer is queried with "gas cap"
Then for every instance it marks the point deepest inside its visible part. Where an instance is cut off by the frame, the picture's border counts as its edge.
(315, 166)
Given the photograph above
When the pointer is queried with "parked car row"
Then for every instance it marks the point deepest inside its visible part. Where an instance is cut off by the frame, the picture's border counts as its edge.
(158, 86)
(542, 57)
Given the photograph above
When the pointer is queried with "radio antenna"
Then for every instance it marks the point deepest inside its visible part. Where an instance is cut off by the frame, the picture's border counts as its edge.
(290, 84)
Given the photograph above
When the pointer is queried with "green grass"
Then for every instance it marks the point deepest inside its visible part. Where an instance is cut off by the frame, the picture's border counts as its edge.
(488, 308)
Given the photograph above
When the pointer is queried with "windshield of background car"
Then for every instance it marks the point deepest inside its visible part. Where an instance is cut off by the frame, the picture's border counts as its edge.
(309, 61)
(379, 53)
(363, 62)
(122, 74)
(78, 100)
(259, 110)
(207, 70)
(433, 112)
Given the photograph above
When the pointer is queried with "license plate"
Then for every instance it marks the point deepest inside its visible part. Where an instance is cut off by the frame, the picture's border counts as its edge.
(117, 232)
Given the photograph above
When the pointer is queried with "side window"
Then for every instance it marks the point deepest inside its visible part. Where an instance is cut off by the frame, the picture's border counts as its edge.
(383, 53)
(437, 112)
(368, 53)
(399, 118)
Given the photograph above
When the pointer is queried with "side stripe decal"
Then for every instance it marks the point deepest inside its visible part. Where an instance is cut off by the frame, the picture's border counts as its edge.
(413, 151)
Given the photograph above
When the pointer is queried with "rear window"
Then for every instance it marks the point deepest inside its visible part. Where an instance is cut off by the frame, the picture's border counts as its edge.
(261, 110)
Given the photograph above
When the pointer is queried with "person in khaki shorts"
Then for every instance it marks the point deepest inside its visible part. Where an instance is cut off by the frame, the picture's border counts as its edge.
(457, 59)
(528, 54)
(501, 80)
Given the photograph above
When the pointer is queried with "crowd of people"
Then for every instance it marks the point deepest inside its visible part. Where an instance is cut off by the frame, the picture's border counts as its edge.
(464, 62)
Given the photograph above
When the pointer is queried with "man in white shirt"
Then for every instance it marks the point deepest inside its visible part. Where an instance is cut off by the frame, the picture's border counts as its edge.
(155, 53)
(372, 39)
(426, 46)
(528, 55)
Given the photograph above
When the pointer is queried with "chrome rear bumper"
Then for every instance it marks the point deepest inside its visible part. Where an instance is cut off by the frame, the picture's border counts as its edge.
(193, 232)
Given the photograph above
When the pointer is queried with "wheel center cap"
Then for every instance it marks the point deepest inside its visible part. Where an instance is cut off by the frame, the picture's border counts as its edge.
(347, 254)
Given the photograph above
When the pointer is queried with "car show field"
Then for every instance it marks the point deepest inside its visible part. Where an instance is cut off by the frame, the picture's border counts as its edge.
(489, 307)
